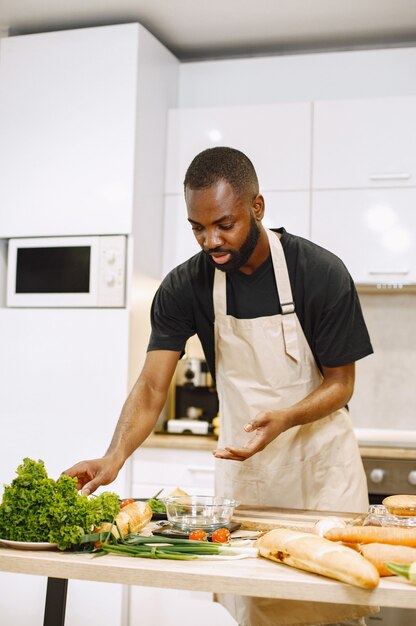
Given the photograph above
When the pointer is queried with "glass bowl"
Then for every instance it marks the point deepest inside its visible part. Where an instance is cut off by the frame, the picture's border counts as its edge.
(205, 512)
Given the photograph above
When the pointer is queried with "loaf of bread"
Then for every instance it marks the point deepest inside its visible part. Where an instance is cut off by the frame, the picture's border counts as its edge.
(132, 519)
(312, 553)
(401, 505)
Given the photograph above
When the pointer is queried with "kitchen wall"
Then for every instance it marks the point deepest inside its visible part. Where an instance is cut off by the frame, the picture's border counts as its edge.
(385, 392)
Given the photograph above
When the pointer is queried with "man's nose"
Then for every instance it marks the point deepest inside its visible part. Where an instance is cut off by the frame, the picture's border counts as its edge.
(212, 239)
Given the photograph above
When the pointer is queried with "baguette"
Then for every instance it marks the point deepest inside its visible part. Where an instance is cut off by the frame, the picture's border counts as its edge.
(132, 519)
(379, 553)
(312, 553)
(396, 535)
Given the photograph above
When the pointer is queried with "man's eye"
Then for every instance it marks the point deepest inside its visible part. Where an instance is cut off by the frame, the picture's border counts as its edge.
(197, 229)
(226, 226)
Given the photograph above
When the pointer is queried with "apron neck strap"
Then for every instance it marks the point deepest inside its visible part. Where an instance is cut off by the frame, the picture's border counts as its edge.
(281, 273)
(283, 288)
(220, 293)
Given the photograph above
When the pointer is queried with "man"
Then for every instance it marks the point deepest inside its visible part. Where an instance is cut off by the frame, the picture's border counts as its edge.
(281, 327)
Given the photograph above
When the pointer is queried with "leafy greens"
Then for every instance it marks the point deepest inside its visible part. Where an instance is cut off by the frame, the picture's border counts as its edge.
(38, 508)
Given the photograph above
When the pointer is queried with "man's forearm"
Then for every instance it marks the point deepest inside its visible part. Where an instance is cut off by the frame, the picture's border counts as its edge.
(334, 392)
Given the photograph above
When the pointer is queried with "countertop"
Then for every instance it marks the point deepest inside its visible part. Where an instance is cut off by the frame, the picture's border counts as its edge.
(377, 447)
(253, 576)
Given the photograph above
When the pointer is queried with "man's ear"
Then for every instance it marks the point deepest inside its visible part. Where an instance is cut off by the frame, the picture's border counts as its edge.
(258, 207)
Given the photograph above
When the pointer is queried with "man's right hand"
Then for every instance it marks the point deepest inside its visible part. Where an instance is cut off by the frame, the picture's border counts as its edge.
(93, 473)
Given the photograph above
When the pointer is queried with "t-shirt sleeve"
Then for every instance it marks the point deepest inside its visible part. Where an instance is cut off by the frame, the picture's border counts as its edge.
(171, 316)
(341, 334)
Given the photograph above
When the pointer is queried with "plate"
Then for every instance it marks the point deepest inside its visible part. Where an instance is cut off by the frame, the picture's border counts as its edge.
(27, 545)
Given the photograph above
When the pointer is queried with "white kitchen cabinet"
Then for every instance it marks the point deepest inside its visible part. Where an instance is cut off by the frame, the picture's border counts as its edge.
(275, 137)
(70, 116)
(64, 380)
(193, 471)
(172, 607)
(372, 231)
(289, 209)
(364, 143)
(157, 468)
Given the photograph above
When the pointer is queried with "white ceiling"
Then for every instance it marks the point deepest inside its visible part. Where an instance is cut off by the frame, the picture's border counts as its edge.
(197, 29)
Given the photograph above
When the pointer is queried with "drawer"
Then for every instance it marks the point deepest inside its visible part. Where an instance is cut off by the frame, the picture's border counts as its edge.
(188, 469)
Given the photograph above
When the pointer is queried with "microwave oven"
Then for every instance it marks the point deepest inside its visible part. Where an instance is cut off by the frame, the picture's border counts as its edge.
(85, 271)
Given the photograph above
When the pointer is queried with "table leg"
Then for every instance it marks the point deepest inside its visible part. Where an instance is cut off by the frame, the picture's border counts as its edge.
(55, 604)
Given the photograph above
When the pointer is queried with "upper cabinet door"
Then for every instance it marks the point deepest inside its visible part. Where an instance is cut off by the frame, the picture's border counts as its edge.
(372, 230)
(276, 138)
(67, 128)
(289, 209)
(364, 143)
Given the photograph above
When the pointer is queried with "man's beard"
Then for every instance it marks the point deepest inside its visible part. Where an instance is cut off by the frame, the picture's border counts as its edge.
(241, 256)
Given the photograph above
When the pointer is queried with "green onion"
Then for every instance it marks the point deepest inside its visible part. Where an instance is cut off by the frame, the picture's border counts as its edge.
(157, 547)
(402, 569)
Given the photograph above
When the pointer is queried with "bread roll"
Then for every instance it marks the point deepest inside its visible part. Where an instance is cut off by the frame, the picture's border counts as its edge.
(314, 554)
(401, 505)
(132, 519)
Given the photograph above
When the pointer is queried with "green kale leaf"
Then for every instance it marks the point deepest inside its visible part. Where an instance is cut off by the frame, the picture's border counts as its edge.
(38, 508)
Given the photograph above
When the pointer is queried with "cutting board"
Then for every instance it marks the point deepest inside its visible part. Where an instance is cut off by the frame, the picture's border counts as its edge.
(266, 518)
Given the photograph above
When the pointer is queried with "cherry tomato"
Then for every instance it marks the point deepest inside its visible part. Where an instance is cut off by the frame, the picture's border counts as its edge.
(221, 535)
(198, 535)
(126, 502)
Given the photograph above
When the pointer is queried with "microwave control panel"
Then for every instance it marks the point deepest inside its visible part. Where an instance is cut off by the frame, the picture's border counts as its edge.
(112, 271)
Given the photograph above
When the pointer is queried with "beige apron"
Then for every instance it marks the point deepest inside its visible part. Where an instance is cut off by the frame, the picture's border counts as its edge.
(266, 363)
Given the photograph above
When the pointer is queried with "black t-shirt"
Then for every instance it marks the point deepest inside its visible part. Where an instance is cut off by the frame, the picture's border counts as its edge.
(326, 303)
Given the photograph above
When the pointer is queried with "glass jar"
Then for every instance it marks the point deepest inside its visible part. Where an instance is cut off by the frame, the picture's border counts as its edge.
(377, 515)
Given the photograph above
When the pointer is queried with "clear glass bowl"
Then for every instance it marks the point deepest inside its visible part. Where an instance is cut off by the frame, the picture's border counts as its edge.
(205, 512)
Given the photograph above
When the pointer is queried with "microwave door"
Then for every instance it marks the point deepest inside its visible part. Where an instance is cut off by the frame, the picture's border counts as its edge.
(53, 270)
(53, 274)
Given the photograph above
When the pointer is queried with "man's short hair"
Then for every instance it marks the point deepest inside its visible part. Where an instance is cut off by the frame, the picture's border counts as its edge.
(222, 163)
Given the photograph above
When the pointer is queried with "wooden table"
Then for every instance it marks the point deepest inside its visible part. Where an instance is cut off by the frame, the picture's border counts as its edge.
(253, 576)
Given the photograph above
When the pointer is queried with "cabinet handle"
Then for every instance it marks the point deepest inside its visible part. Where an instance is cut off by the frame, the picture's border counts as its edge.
(390, 272)
(398, 176)
(200, 469)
